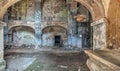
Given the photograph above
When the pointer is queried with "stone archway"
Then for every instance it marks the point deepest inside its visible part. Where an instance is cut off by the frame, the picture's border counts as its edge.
(9, 29)
(59, 24)
(95, 7)
(55, 26)
(21, 25)
(49, 33)
(98, 24)
(4, 5)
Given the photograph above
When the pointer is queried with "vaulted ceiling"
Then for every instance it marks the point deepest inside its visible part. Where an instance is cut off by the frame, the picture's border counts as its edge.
(95, 7)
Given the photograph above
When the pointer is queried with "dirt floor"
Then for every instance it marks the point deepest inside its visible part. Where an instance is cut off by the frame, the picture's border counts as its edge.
(47, 61)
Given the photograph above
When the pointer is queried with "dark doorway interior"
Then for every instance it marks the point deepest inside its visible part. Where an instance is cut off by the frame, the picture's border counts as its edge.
(57, 40)
(85, 30)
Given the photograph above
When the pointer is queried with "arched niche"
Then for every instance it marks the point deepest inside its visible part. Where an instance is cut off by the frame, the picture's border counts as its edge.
(50, 32)
(21, 36)
(23, 26)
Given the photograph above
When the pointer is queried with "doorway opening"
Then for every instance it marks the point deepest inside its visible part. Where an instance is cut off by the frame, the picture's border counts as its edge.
(85, 32)
(57, 40)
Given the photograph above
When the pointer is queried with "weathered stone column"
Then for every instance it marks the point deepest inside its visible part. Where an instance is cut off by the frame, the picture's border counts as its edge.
(70, 31)
(2, 61)
(72, 11)
(99, 34)
(38, 18)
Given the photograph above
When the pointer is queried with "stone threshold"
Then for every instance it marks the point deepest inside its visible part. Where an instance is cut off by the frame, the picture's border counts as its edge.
(40, 50)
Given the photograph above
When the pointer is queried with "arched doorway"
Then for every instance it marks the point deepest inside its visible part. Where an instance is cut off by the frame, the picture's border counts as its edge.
(98, 24)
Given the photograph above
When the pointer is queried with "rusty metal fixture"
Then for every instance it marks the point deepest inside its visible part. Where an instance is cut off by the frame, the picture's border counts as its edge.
(80, 18)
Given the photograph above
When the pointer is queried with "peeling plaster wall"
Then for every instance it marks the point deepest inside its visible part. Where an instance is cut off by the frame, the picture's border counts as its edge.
(99, 34)
(74, 35)
(27, 10)
(47, 40)
(75, 41)
(48, 36)
(23, 10)
(59, 12)
(24, 37)
(54, 10)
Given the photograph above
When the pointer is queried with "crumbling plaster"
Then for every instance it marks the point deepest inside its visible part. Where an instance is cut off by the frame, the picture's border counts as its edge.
(95, 7)
(23, 37)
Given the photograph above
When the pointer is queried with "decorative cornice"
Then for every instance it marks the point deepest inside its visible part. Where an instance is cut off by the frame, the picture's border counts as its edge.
(100, 21)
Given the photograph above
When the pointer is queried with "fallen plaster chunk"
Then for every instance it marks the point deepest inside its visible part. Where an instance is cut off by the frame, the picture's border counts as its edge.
(79, 69)
(64, 67)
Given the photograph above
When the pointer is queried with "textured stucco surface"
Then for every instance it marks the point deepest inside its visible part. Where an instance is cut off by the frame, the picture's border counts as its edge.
(113, 31)
(23, 37)
(99, 34)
